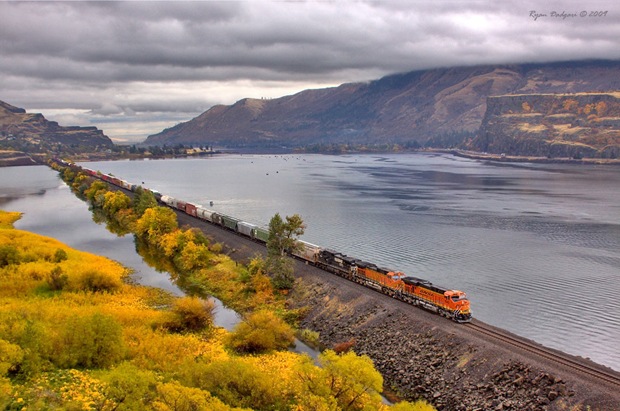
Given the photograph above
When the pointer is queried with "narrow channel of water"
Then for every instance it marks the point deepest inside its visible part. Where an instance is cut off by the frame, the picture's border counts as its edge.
(50, 208)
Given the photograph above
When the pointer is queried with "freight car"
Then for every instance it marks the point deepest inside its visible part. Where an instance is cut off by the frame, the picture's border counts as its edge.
(446, 302)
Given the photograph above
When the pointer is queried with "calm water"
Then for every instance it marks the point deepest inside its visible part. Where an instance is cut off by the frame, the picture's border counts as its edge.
(49, 208)
(536, 247)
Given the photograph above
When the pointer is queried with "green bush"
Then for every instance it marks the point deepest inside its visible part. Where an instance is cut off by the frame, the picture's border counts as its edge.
(57, 280)
(60, 255)
(96, 281)
(9, 255)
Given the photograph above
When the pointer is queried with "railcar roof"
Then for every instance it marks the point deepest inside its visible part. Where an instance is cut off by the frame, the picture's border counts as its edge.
(426, 284)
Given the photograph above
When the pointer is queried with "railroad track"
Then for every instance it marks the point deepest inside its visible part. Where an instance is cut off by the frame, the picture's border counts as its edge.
(608, 376)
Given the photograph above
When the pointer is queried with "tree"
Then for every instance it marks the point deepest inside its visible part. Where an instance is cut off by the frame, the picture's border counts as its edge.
(282, 239)
(345, 382)
(114, 201)
(96, 192)
(142, 200)
(156, 222)
(349, 380)
(192, 257)
(283, 235)
(352, 378)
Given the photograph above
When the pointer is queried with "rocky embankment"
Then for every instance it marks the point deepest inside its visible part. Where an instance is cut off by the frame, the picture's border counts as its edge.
(421, 354)
(451, 369)
(552, 125)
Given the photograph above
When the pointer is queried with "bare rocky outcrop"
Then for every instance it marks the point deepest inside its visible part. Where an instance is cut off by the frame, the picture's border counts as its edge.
(552, 125)
(16, 158)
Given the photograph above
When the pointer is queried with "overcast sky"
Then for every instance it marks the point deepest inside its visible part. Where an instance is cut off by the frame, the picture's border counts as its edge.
(134, 68)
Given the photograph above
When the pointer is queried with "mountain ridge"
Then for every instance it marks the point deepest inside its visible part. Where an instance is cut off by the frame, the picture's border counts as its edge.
(33, 133)
(437, 107)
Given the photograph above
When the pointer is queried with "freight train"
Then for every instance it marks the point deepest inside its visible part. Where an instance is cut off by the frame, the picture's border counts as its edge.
(452, 304)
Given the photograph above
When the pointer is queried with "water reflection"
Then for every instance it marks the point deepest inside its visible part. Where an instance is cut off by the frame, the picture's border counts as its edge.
(49, 208)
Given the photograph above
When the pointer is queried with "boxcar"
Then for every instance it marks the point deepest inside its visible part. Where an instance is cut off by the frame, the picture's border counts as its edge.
(191, 209)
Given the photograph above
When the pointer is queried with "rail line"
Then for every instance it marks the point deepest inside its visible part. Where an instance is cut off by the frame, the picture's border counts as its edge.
(608, 376)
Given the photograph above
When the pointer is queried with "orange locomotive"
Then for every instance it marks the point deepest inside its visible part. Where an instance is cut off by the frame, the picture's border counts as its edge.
(449, 303)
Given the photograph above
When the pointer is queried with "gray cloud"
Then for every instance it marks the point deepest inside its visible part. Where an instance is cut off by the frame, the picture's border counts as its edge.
(115, 61)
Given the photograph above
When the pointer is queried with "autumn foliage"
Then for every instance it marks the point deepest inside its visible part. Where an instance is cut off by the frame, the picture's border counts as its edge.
(74, 335)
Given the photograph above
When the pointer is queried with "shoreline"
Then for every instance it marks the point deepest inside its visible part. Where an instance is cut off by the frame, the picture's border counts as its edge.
(474, 155)
(18, 158)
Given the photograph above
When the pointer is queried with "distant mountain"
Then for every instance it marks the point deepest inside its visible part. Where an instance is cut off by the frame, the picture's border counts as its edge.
(33, 133)
(439, 108)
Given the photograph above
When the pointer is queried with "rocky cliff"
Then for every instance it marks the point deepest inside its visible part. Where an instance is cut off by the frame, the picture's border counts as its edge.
(439, 107)
(31, 132)
(552, 125)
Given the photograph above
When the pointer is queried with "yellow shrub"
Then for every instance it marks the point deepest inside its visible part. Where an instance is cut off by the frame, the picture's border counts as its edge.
(11, 356)
(191, 314)
(94, 280)
(159, 351)
(8, 218)
(280, 369)
(174, 396)
(93, 341)
(261, 332)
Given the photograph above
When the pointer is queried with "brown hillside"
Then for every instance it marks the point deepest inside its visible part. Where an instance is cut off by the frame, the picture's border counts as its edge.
(31, 132)
(439, 107)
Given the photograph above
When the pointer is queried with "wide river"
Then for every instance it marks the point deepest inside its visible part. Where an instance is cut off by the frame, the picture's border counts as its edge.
(536, 247)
